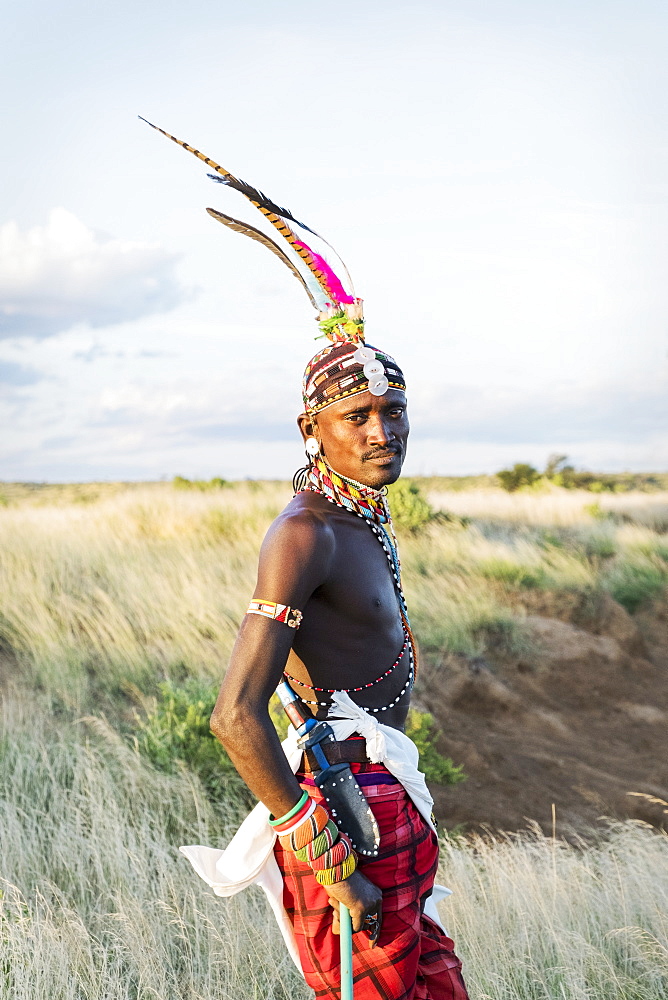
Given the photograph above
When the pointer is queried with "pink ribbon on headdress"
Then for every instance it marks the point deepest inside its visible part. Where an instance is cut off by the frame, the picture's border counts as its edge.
(334, 286)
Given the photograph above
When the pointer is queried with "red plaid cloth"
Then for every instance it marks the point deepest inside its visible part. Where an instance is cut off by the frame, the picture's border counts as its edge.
(414, 959)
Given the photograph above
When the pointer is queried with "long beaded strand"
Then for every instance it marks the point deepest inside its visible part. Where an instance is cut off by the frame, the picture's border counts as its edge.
(408, 686)
(377, 680)
(370, 505)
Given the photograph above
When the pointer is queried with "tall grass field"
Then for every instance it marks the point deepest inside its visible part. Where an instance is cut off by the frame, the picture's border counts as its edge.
(118, 610)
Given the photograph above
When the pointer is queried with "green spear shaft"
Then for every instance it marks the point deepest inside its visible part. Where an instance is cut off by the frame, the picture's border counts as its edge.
(346, 944)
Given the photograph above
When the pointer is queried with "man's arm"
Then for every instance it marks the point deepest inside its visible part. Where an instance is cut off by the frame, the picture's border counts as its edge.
(295, 559)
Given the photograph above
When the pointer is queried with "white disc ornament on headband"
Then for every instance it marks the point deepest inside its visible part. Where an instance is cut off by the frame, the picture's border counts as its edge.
(373, 369)
(364, 354)
(378, 386)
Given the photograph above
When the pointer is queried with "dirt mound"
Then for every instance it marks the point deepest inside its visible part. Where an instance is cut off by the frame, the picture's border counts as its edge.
(579, 725)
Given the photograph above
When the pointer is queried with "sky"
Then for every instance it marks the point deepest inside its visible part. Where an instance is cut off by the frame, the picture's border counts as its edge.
(494, 175)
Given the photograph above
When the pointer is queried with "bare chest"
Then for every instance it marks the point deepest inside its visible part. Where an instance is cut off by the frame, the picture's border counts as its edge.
(361, 586)
(352, 629)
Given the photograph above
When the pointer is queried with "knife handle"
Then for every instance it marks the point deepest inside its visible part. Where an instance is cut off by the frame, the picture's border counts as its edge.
(296, 711)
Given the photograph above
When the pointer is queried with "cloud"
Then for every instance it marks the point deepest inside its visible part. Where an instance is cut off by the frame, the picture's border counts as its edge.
(260, 407)
(60, 274)
(223, 401)
(566, 412)
(95, 352)
(200, 411)
(14, 374)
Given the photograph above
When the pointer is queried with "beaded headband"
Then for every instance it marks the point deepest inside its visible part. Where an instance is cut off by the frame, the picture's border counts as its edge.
(341, 370)
(332, 374)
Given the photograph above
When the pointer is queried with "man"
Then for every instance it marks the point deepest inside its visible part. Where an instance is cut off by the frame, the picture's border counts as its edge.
(328, 614)
(322, 559)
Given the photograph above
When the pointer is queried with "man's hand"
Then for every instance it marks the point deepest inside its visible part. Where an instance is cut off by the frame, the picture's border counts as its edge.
(362, 898)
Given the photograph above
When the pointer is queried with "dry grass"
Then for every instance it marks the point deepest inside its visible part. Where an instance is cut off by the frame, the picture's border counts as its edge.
(128, 586)
(98, 904)
(540, 919)
(96, 900)
(553, 506)
(147, 583)
(151, 582)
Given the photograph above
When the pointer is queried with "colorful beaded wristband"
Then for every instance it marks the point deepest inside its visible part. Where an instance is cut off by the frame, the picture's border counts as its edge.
(293, 812)
(279, 612)
(285, 833)
(306, 832)
(336, 855)
(282, 828)
(320, 844)
(328, 876)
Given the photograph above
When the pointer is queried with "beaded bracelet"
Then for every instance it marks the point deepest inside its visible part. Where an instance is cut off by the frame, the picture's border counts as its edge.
(328, 876)
(282, 828)
(307, 831)
(293, 812)
(323, 842)
(336, 855)
(286, 832)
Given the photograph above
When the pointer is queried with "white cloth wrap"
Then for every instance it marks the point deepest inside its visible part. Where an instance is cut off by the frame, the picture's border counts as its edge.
(249, 857)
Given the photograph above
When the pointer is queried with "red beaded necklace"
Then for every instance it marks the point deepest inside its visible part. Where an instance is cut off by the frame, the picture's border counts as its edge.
(363, 687)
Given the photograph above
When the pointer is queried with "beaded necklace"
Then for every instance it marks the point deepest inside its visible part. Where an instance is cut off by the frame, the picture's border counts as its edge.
(377, 680)
(408, 686)
(371, 505)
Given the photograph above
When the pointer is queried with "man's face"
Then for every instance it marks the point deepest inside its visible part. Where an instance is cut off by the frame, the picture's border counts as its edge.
(364, 437)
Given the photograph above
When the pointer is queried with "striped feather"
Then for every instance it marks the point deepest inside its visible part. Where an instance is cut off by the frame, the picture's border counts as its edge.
(256, 234)
(258, 198)
(263, 202)
(271, 212)
(191, 149)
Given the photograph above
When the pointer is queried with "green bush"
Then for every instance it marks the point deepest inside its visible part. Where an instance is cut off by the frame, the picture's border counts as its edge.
(548, 539)
(181, 483)
(555, 463)
(513, 573)
(521, 474)
(600, 545)
(421, 728)
(633, 582)
(410, 509)
(175, 733)
(569, 478)
(596, 511)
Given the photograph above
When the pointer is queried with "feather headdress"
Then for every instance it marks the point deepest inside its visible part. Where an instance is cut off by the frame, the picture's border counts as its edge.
(339, 311)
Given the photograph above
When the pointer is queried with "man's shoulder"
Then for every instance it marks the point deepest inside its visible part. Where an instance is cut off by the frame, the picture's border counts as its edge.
(305, 522)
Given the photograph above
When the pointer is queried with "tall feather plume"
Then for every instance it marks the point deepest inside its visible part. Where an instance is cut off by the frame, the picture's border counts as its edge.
(258, 198)
(256, 234)
(262, 201)
(330, 285)
(191, 149)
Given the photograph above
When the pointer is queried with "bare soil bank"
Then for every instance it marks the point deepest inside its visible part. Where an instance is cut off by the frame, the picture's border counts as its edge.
(581, 724)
